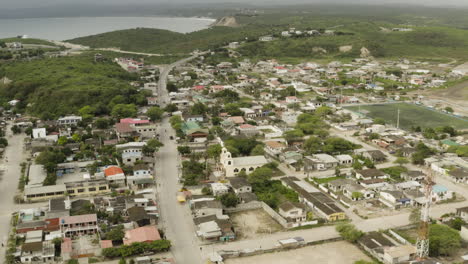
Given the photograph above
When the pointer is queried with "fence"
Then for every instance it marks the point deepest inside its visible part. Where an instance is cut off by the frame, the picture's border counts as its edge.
(259, 205)
(398, 237)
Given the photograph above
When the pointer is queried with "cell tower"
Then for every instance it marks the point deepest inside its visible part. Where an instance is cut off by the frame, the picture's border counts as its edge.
(422, 244)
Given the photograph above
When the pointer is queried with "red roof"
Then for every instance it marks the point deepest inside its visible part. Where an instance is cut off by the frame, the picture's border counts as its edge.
(123, 128)
(246, 126)
(134, 121)
(237, 119)
(106, 244)
(199, 87)
(53, 224)
(142, 234)
(114, 170)
(66, 245)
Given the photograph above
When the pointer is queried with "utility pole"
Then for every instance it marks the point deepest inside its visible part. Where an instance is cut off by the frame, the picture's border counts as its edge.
(422, 244)
(398, 119)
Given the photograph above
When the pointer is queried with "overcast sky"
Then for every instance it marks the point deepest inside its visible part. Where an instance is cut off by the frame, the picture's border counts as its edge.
(13, 4)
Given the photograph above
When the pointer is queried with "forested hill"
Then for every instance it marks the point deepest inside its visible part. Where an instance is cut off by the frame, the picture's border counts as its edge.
(163, 41)
(53, 87)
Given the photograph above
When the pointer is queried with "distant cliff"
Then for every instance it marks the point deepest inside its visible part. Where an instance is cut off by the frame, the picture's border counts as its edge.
(227, 21)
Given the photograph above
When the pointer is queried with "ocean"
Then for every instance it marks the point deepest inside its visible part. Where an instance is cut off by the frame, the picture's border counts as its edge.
(73, 27)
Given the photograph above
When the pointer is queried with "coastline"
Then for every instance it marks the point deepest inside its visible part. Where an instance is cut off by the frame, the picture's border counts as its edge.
(64, 28)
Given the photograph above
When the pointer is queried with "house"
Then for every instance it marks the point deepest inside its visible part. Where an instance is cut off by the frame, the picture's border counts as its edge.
(58, 207)
(194, 132)
(125, 131)
(374, 184)
(459, 175)
(247, 197)
(39, 133)
(69, 120)
(37, 193)
(413, 175)
(240, 185)
(152, 100)
(144, 234)
(274, 148)
(417, 197)
(344, 160)
(219, 188)
(194, 118)
(33, 252)
(207, 207)
(114, 175)
(338, 185)
(247, 130)
(238, 120)
(441, 193)
(369, 174)
(290, 117)
(232, 166)
(131, 152)
(357, 192)
(77, 225)
(209, 230)
(138, 215)
(462, 212)
(399, 254)
(374, 243)
(407, 185)
(315, 199)
(320, 162)
(375, 155)
(394, 199)
(292, 212)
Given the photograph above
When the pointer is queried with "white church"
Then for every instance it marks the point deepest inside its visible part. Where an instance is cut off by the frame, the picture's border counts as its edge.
(232, 166)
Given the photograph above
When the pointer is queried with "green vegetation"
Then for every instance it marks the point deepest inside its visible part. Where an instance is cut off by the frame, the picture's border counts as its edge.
(239, 146)
(327, 180)
(461, 151)
(432, 37)
(28, 41)
(349, 232)
(229, 199)
(192, 171)
(53, 87)
(412, 116)
(395, 172)
(422, 152)
(272, 192)
(443, 240)
(137, 248)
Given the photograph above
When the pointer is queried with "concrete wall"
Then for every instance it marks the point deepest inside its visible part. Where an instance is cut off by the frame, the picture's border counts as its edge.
(398, 237)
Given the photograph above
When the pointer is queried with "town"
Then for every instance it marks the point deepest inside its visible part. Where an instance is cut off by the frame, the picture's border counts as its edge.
(228, 158)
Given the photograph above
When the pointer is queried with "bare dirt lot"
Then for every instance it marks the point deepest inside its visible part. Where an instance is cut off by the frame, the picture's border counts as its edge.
(340, 252)
(455, 97)
(249, 224)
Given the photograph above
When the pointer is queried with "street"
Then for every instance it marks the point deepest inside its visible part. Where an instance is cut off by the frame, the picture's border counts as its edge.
(11, 169)
(176, 219)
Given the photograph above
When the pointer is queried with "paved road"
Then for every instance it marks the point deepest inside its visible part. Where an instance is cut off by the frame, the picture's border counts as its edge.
(162, 84)
(9, 182)
(176, 218)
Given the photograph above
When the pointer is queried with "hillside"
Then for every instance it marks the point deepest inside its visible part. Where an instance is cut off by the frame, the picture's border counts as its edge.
(59, 86)
(374, 33)
(28, 41)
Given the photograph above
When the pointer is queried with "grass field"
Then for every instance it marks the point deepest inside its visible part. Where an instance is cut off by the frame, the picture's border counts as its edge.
(410, 115)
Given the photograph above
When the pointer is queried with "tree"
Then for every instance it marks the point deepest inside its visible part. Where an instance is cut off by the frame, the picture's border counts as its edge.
(449, 109)
(155, 113)
(349, 232)
(415, 216)
(214, 151)
(170, 108)
(15, 129)
(122, 261)
(456, 223)
(260, 175)
(184, 150)
(257, 150)
(199, 109)
(124, 110)
(443, 240)
(151, 146)
(116, 234)
(293, 135)
(102, 123)
(401, 160)
(379, 121)
(356, 195)
(229, 199)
